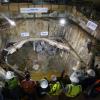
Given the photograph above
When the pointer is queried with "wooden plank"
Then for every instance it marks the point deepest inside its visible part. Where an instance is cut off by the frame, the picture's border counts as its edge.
(31, 5)
(47, 6)
(4, 8)
(13, 7)
(23, 5)
(62, 7)
(54, 7)
(38, 6)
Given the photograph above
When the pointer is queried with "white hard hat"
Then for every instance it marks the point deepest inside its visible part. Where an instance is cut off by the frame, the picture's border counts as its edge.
(53, 77)
(43, 83)
(91, 72)
(74, 79)
(10, 75)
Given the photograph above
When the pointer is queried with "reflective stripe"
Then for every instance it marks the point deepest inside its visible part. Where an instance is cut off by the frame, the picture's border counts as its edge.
(69, 89)
(55, 89)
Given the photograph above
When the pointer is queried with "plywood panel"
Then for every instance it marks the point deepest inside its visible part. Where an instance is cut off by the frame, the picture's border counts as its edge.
(3, 8)
(54, 7)
(23, 5)
(31, 5)
(47, 6)
(68, 8)
(13, 7)
(62, 7)
(38, 5)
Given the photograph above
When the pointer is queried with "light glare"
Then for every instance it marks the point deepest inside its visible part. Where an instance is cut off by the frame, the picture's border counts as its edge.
(12, 23)
(62, 22)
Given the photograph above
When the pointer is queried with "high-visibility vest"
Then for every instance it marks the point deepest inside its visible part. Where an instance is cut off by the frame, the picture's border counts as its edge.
(73, 90)
(55, 89)
(12, 83)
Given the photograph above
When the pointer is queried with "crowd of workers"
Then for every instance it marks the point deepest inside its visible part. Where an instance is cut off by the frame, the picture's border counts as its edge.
(70, 86)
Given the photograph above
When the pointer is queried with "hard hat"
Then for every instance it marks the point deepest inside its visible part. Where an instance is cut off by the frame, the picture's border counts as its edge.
(53, 77)
(74, 79)
(43, 83)
(91, 72)
(10, 75)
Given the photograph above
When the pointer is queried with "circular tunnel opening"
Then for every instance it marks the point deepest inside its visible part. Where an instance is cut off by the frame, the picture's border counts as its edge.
(40, 58)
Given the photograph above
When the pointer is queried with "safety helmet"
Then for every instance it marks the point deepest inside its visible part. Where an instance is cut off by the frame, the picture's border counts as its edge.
(74, 79)
(91, 72)
(53, 78)
(43, 83)
(10, 75)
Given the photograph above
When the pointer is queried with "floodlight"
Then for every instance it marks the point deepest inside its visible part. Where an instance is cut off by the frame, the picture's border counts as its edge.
(62, 22)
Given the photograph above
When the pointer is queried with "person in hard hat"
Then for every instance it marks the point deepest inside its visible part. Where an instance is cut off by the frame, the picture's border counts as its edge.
(89, 79)
(73, 89)
(91, 72)
(94, 89)
(55, 86)
(12, 85)
(64, 78)
(78, 71)
(28, 87)
(42, 87)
